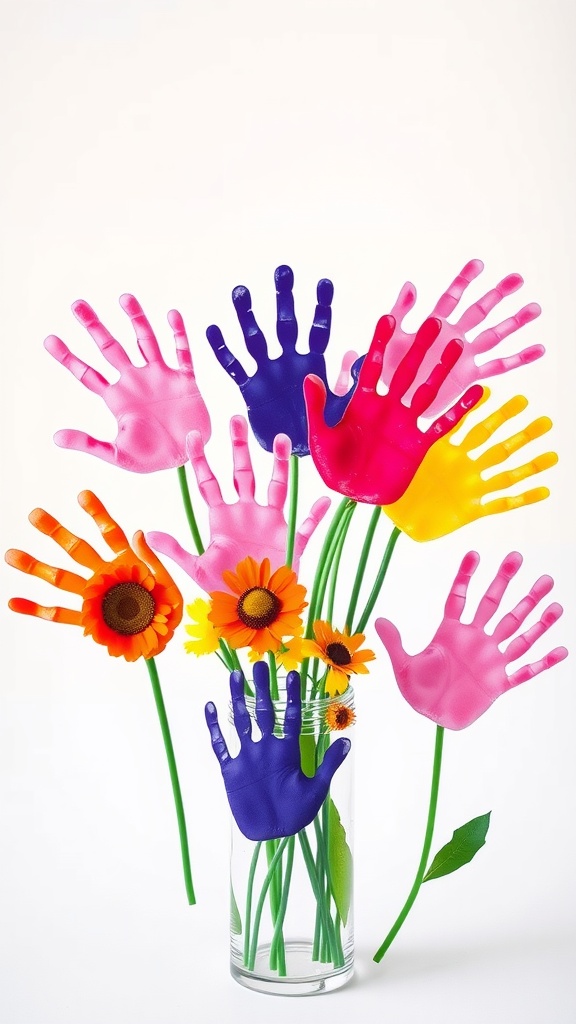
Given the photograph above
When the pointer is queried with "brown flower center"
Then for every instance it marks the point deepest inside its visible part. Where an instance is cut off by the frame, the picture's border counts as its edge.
(128, 608)
(258, 608)
(338, 653)
(343, 717)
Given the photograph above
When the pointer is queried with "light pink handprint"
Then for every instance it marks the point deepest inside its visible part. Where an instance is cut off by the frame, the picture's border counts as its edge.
(245, 527)
(462, 671)
(155, 406)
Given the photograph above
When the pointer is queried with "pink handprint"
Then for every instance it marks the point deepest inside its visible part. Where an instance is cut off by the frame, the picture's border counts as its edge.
(463, 670)
(372, 454)
(245, 527)
(155, 406)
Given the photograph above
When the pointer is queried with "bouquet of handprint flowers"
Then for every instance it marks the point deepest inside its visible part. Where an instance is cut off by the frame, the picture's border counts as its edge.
(387, 436)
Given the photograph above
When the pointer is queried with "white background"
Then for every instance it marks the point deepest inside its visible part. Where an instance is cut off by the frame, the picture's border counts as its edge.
(175, 150)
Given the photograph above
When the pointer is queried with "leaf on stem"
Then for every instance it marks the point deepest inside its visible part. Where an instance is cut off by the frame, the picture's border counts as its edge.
(464, 845)
(235, 920)
(340, 862)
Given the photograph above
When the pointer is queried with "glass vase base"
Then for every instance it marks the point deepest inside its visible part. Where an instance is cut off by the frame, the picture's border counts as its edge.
(304, 976)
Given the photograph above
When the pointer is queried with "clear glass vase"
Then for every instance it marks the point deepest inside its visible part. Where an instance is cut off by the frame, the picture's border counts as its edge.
(291, 899)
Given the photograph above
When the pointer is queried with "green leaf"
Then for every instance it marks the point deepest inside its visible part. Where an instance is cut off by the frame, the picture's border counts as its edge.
(339, 862)
(308, 754)
(235, 920)
(464, 845)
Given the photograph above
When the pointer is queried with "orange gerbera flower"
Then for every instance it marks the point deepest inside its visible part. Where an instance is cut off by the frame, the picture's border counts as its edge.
(130, 604)
(340, 652)
(262, 609)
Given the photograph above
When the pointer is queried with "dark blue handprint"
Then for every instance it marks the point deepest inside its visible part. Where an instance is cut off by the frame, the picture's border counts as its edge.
(274, 396)
(268, 793)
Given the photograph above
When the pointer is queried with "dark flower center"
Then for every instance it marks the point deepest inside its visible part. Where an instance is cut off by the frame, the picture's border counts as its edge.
(342, 717)
(338, 653)
(128, 608)
(258, 608)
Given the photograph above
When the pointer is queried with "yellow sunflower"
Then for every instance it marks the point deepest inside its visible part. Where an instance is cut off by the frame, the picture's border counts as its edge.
(130, 604)
(262, 609)
(340, 652)
(205, 636)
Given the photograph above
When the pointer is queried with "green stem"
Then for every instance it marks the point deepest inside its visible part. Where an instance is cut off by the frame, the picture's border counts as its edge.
(362, 566)
(380, 577)
(292, 509)
(249, 890)
(189, 510)
(322, 909)
(425, 849)
(336, 562)
(277, 939)
(155, 680)
(273, 676)
(260, 904)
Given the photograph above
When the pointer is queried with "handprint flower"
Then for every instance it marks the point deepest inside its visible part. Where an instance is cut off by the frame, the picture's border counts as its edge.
(273, 395)
(245, 527)
(340, 652)
(262, 609)
(155, 406)
(467, 371)
(130, 605)
(372, 454)
(205, 639)
(462, 671)
(449, 489)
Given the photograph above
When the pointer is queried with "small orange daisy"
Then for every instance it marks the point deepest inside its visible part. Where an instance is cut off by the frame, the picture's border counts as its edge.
(340, 652)
(130, 604)
(262, 609)
(339, 716)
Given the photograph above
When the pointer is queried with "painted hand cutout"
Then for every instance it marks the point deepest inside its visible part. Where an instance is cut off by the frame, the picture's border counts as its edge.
(372, 454)
(154, 405)
(463, 671)
(269, 794)
(273, 396)
(449, 488)
(244, 528)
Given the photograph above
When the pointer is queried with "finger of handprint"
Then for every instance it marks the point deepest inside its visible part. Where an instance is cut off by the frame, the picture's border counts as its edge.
(61, 578)
(218, 742)
(514, 619)
(479, 310)
(526, 640)
(491, 337)
(110, 348)
(183, 353)
(145, 337)
(513, 501)
(77, 548)
(342, 385)
(315, 517)
(407, 369)
(233, 367)
(529, 671)
(497, 366)
(286, 324)
(320, 330)
(456, 599)
(239, 711)
(78, 441)
(500, 452)
(490, 602)
(207, 483)
(243, 472)
(427, 392)
(332, 760)
(253, 336)
(501, 481)
(372, 366)
(148, 556)
(449, 420)
(56, 614)
(404, 303)
(293, 713)
(483, 431)
(451, 297)
(169, 546)
(264, 708)
(87, 376)
(114, 536)
(315, 401)
(278, 487)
